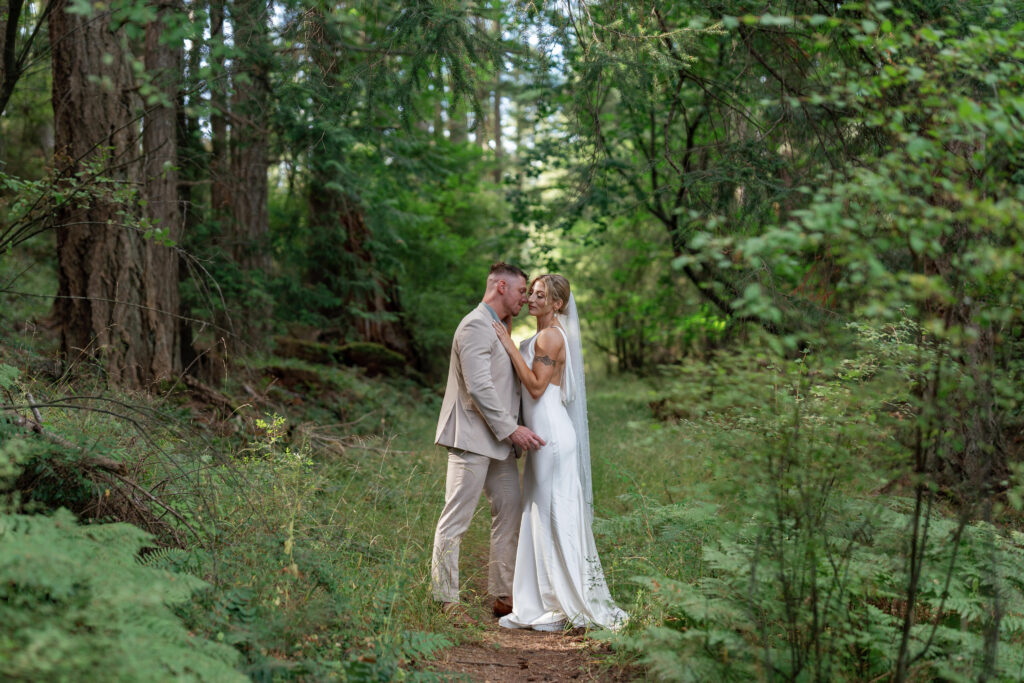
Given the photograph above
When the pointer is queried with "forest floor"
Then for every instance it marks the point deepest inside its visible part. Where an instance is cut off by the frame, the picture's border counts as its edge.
(492, 653)
(503, 655)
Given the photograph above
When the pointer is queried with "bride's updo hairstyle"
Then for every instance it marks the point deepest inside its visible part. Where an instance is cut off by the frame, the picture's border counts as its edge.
(557, 288)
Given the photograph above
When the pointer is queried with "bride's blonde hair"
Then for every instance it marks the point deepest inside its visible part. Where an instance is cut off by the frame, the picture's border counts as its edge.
(557, 287)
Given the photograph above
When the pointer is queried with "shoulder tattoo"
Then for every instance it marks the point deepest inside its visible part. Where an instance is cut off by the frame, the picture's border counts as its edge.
(545, 360)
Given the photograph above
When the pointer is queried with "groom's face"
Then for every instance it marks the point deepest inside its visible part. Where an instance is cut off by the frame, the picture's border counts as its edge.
(515, 294)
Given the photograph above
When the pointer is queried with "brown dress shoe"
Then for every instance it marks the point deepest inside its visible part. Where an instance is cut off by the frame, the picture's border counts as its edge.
(457, 614)
(502, 606)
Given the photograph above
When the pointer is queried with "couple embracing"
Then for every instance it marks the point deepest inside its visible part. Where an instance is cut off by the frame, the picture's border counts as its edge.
(543, 569)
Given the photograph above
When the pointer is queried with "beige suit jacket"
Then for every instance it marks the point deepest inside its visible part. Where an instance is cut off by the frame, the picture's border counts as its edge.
(481, 401)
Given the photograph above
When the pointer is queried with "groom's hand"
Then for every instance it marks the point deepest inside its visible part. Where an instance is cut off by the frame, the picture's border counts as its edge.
(526, 439)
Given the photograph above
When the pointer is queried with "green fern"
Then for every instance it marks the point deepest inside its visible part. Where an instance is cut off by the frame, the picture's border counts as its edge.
(164, 558)
(736, 622)
(75, 605)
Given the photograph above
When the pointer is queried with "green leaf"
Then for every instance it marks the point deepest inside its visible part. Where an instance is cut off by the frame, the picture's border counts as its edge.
(918, 148)
(80, 7)
(8, 375)
(776, 20)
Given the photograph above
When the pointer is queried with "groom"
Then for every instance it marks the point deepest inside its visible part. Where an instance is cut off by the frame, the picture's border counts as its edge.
(479, 426)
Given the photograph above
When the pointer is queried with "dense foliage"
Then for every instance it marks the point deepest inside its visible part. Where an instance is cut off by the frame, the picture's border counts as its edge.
(794, 230)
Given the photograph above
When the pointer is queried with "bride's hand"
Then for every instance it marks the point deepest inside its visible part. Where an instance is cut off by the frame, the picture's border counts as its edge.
(503, 336)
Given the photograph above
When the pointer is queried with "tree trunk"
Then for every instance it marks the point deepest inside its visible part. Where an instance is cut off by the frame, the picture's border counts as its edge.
(249, 222)
(341, 252)
(438, 117)
(370, 307)
(160, 178)
(496, 115)
(499, 153)
(457, 129)
(220, 172)
(16, 51)
(192, 156)
(111, 306)
(480, 120)
(9, 67)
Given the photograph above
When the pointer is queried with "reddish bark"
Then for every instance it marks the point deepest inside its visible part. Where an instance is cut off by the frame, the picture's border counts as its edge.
(249, 222)
(117, 292)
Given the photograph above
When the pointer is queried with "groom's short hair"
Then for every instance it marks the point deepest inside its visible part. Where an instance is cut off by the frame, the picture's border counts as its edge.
(506, 269)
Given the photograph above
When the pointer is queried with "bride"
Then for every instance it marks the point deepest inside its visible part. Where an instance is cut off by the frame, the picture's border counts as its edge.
(558, 579)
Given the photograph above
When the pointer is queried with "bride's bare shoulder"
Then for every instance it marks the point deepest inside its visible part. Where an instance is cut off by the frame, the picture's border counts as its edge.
(550, 340)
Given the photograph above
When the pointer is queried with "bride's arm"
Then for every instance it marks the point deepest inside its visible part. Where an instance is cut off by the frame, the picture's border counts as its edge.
(537, 378)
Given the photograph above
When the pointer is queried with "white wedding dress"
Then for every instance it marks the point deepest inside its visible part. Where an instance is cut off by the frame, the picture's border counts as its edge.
(558, 579)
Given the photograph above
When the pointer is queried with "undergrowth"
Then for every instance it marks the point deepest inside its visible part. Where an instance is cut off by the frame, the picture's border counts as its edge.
(751, 512)
(76, 602)
(306, 531)
(812, 549)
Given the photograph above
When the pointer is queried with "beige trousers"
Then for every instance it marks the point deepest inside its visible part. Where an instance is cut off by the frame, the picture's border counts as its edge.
(469, 474)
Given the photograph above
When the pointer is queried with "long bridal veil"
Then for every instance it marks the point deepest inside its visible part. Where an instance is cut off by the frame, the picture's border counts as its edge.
(574, 396)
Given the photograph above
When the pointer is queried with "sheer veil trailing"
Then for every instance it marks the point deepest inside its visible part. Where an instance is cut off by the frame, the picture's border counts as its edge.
(574, 396)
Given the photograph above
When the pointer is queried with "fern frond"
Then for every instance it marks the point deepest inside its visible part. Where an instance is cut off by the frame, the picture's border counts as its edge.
(76, 605)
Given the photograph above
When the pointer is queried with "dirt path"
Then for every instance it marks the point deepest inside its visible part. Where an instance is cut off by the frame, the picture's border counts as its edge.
(491, 653)
(503, 655)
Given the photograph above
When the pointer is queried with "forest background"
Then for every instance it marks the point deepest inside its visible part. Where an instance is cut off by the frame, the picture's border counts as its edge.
(236, 236)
